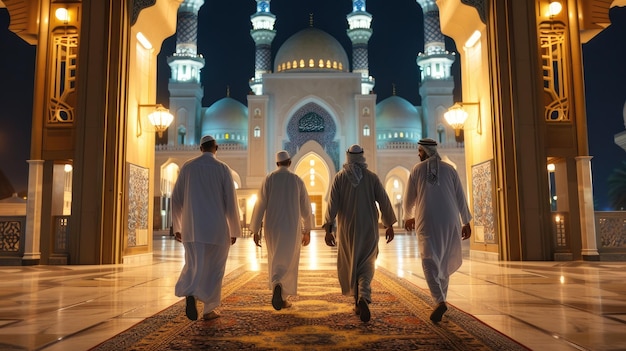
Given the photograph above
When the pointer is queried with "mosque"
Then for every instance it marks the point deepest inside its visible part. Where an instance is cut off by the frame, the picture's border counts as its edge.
(99, 182)
(308, 101)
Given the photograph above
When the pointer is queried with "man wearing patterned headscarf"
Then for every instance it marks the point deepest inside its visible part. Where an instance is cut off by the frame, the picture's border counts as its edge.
(433, 203)
(353, 197)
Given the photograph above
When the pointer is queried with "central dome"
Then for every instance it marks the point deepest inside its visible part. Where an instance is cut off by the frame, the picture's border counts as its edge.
(311, 50)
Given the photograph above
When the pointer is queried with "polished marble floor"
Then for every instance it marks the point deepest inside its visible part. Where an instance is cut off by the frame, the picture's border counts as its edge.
(543, 305)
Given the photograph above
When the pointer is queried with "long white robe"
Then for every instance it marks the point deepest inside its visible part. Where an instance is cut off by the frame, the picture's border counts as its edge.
(283, 209)
(357, 229)
(205, 212)
(438, 210)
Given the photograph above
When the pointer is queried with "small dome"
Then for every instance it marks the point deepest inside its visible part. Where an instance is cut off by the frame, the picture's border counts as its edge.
(227, 121)
(398, 120)
(311, 50)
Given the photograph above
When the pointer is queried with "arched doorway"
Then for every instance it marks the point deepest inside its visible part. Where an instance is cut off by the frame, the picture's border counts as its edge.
(313, 168)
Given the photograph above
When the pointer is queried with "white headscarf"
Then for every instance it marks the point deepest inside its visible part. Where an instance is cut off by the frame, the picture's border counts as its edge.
(355, 163)
(432, 162)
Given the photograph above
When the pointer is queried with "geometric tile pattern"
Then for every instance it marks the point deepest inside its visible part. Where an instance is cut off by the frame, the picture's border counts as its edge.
(432, 29)
(187, 28)
(359, 57)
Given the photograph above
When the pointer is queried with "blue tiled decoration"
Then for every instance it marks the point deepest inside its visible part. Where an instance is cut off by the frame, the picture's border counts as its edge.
(312, 122)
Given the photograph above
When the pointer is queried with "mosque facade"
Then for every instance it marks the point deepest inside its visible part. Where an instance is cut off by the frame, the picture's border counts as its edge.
(96, 186)
(312, 100)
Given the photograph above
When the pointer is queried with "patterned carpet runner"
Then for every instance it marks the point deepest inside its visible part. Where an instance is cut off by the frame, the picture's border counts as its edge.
(320, 318)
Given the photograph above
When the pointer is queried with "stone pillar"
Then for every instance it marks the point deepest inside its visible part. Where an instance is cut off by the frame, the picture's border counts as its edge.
(587, 214)
(32, 251)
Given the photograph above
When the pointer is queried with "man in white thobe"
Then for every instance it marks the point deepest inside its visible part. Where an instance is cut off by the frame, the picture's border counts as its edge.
(205, 217)
(283, 209)
(353, 197)
(434, 206)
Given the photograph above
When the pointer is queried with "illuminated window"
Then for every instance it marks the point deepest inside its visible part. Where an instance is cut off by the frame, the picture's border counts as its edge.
(311, 63)
(294, 64)
(257, 132)
(335, 64)
(226, 136)
(366, 130)
(328, 64)
(301, 63)
(340, 66)
(288, 65)
(321, 63)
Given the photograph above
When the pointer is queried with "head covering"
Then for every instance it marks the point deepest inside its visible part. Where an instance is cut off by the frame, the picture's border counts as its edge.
(432, 162)
(206, 139)
(355, 149)
(355, 163)
(282, 156)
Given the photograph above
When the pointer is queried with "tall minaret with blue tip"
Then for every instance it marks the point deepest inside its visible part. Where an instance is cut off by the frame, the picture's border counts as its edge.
(184, 86)
(263, 34)
(360, 32)
(437, 83)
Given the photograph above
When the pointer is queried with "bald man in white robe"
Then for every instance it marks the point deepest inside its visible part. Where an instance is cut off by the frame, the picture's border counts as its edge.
(434, 206)
(354, 193)
(205, 218)
(283, 208)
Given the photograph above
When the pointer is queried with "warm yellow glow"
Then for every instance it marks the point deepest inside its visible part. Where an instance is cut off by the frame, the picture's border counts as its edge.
(554, 8)
(161, 118)
(473, 39)
(143, 41)
(551, 167)
(252, 200)
(312, 162)
(455, 116)
(68, 168)
(62, 14)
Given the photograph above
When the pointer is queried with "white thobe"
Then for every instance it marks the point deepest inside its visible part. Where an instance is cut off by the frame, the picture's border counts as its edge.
(205, 212)
(438, 210)
(357, 229)
(283, 208)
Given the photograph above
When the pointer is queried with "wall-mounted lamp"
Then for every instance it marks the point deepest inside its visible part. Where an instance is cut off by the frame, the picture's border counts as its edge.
(62, 14)
(160, 119)
(554, 8)
(456, 117)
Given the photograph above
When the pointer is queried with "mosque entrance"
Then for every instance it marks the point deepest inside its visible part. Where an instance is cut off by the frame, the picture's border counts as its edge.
(313, 169)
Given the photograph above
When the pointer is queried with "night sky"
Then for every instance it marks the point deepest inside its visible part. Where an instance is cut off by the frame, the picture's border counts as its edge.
(224, 41)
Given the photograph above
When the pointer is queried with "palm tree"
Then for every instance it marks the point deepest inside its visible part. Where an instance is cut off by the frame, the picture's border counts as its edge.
(617, 187)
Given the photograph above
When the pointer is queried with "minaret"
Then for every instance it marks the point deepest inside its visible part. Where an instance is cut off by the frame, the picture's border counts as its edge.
(263, 34)
(437, 83)
(360, 32)
(184, 85)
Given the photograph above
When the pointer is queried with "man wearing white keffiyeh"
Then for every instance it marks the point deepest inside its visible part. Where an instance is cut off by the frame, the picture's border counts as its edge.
(433, 203)
(353, 197)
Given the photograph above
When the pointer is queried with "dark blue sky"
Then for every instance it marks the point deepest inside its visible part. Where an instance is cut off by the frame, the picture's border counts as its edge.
(225, 42)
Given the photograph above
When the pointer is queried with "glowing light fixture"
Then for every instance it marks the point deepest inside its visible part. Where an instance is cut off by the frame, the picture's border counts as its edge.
(551, 167)
(144, 41)
(554, 8)
(473, 39)
(160, 119)
(62, 14)
(456, 116)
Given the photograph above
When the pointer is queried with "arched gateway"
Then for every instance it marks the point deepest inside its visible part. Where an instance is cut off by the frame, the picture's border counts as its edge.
(95, 68)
